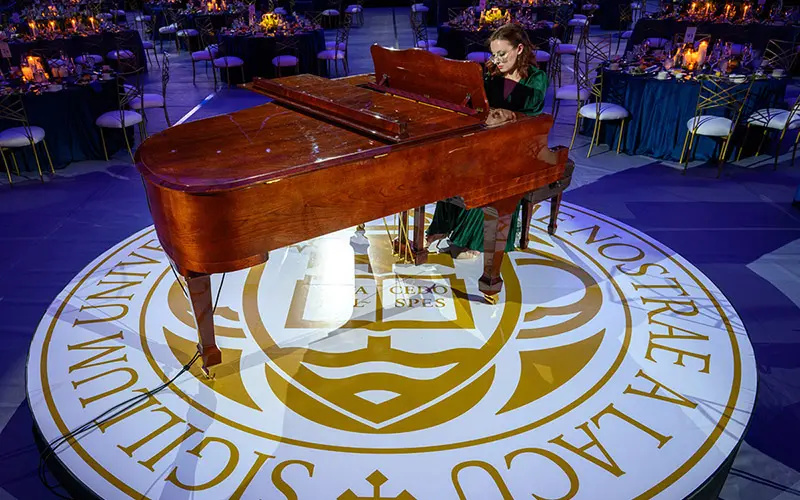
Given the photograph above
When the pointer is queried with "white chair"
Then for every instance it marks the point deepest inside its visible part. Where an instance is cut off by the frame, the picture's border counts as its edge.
(592, 56)
(475, 48)
(334, 11)
(12, 109)
(776, 120)
(226, 62)
(288, 50)
(338, 50)
(151, 100)
(420, 33)
(716, 95)
(357, 11)
(122, 118)
(170, 30)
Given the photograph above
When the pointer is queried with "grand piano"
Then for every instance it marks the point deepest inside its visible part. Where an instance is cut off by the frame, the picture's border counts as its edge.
(326, 155)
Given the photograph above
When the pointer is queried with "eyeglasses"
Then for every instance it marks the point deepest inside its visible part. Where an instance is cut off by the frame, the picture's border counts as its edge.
(500, 57)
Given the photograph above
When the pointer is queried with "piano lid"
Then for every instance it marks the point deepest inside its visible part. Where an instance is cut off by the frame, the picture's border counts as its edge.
(386, 117)
(314, 123)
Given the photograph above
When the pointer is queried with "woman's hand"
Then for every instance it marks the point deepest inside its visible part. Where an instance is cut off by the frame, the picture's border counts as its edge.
(499, 115)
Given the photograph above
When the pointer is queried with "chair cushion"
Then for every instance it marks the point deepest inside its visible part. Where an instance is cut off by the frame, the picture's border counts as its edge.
(571, 92)
(636, 5)
(203, 55)
(423, 45)
(284, 61)
(542, 56)
(334, 45)
(280, 10)
(111, 119)
(141, 18)
(608, 111)
(17, 137)
(120, 54)
(95, 58)
(590, 6)
(188, 32)
(579, 16)
(577, 22)
(118, 12)
(330, 55)
(439, 51)
(165, 30)
(626, 34)
(567, 48)
(147, 45)
(774, 119)
(228, 62)
(353, 9)
(714, 126)
(479, 57)
(148, 101)
(330, 12)
(419, 7)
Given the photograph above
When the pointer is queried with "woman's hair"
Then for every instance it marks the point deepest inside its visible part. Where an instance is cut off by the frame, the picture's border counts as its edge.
(515, 36)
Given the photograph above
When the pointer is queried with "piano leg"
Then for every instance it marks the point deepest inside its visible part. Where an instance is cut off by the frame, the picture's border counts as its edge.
(496, 224)
(527, 216)
(416, 245)
(202, 307)
(555, 205)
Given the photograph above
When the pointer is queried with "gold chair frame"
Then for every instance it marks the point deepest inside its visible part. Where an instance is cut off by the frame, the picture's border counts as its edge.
(793, 112)
(12, 108)
(780, 54)
(289, 45)
(127, 92)
(341, 40)
(592, 57)
(716, 93)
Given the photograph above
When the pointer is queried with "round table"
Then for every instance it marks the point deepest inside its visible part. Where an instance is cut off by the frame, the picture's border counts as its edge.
(74, 46)
(68, 119)
(257, 53)
(660, 109)
(453, 40)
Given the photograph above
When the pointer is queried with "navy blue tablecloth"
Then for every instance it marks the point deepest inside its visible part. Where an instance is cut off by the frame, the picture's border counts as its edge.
(257, 54)
(453, 40)
(76, 45)
(68, 119)
(659, 111)
(757, 34)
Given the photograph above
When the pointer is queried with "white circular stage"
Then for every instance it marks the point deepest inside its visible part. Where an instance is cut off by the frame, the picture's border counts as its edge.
(609, 368)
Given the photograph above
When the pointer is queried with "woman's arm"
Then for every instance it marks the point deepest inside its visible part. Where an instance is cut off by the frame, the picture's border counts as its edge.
(535, 87)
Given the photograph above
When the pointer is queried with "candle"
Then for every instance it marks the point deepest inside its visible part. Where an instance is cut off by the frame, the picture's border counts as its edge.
(32, 26)
(52, 25)
(708, 7)
(73, 24)
(91, 21)
(701, 53)
(27, 73)
(744, 14)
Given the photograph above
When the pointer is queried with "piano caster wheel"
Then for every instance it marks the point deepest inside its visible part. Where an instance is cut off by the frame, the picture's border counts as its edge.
(490, 299)
(207, 373)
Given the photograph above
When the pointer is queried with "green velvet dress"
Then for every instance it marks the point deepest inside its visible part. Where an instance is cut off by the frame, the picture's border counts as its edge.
(465, 227)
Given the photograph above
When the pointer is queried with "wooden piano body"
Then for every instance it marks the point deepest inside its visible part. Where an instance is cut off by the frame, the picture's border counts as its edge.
(325, 155)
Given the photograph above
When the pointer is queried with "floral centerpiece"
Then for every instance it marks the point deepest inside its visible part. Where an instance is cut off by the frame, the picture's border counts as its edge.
(271, 22)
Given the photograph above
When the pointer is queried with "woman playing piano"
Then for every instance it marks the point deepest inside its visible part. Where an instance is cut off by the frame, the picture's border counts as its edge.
(513, 85)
